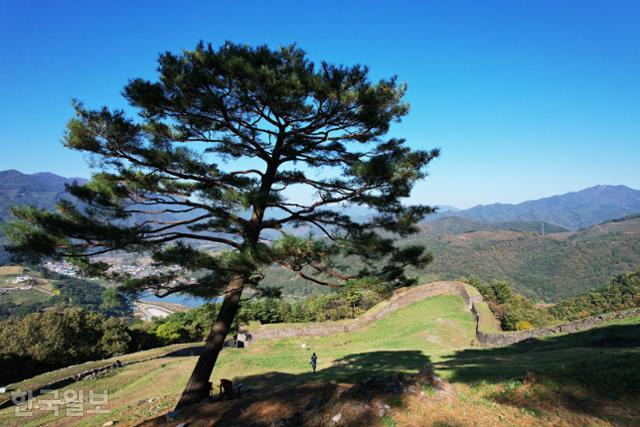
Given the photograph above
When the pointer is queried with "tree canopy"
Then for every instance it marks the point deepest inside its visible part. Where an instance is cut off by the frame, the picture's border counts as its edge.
(176, 168)
(236, 147)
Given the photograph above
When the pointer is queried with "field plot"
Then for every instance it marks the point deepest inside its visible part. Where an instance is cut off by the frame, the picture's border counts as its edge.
(9, 274)
(19, 276)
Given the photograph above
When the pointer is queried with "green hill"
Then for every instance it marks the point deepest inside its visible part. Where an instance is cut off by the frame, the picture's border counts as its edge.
(549, 267)
(459, 225)
(40, 189)
(557, 265)
(579, 379)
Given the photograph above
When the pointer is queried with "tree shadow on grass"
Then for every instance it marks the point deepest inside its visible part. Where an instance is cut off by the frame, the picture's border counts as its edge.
(583, 372)
(295, 399)
(193, 350)
(350, 369)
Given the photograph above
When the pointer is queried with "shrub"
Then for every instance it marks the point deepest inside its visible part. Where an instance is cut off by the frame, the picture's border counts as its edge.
(40, 342)
(622, 292)
(523, 325)
(514, 311)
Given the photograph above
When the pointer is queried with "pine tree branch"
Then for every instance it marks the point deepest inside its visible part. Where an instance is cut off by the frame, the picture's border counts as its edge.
(304, 276)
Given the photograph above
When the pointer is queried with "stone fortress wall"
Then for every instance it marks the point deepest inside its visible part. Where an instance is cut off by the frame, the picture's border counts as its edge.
(487, 330)
(510, 337)
(400, 299)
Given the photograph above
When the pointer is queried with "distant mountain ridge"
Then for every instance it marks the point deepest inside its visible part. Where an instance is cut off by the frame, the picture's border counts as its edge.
(489, 241)
(459, 225)
(575, 210)
(41, 189)
(11, 179)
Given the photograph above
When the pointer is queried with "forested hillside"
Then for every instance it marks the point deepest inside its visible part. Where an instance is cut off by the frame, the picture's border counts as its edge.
(40, 189)
(549, 267)
(623, 292)
(546, 267)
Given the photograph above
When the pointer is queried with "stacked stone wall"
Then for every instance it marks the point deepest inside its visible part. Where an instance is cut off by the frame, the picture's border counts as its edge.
(505, 338)
(407, 296)
(399, 300)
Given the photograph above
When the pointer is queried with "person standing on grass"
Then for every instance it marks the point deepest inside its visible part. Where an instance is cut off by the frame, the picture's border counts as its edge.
(314, 361)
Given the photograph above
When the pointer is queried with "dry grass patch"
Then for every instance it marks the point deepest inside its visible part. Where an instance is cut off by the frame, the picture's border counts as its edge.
(11, 270)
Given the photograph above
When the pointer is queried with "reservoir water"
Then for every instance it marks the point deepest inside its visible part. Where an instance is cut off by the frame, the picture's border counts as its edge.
(186, 300)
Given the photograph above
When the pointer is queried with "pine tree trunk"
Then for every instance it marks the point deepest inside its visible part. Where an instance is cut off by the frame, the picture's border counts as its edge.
(198, 386)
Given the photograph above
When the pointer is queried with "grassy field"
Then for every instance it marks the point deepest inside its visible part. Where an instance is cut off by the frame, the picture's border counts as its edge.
(579, 379)
(8, 274)
(29, 296)
(431, 327)
(14, 270)
(41, 288)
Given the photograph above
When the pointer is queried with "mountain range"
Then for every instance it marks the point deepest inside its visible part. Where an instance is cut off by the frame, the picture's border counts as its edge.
(571, 211)
(42, 189)
(575, 210)
(549, 248)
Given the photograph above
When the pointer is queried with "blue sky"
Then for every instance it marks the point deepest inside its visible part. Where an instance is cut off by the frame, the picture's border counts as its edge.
(525, 98)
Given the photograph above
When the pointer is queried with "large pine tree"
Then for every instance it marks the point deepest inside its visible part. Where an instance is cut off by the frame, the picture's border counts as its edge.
(233, 146)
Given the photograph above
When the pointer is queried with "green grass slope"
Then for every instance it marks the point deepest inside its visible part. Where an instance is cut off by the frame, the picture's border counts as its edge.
(407, 339)
(579, 379)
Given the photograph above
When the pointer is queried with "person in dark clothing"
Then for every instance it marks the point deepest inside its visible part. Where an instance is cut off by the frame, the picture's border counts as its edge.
(314, 362)
(226, 389)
